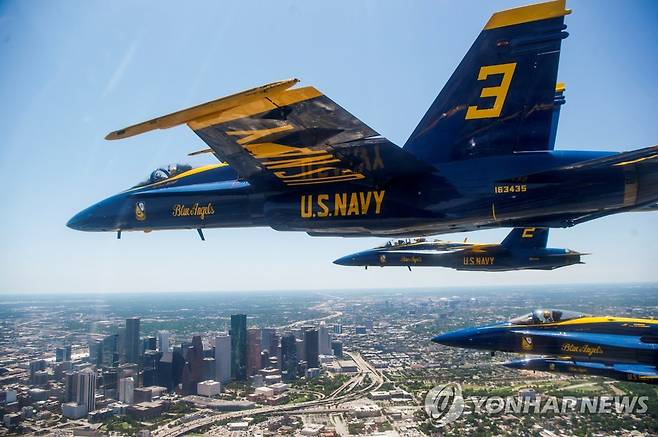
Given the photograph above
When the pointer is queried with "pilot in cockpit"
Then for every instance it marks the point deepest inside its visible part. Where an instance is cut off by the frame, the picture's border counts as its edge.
(163, 173)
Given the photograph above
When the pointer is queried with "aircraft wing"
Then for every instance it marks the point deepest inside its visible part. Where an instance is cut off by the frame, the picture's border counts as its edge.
(277, 136)
(614, 340)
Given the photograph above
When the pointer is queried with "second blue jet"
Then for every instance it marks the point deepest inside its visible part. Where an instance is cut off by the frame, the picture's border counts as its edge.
(522, 249)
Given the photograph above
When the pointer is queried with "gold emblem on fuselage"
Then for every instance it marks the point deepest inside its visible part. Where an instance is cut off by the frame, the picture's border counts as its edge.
(140, 211)
(526, 343)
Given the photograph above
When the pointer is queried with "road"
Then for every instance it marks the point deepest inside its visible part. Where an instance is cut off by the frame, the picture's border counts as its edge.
(349, 391)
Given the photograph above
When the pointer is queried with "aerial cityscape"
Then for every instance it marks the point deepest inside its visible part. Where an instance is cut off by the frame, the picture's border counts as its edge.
(328, 363)
(168, 171)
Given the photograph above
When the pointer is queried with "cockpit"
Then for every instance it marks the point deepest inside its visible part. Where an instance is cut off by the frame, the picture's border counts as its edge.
(542, 316)
(164, 173)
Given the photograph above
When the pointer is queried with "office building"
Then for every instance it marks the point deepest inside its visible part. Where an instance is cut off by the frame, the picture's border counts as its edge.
(324, 343)
(149, 344)
(239, 347)
(193, 370)
(86, 389)
(289, 356)
(209, 388)
(163, 341)
(337, 348)
(266, 337)
(311, 347)
(132, 340)
(223, 358)
(126, 390)
(109, 351)
(338, 329)
(253, 351)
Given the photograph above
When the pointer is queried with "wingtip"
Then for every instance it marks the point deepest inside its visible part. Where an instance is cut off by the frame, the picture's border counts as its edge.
(185, 115)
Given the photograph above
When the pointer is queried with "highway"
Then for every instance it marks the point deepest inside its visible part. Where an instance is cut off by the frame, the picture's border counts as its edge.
(347, 392)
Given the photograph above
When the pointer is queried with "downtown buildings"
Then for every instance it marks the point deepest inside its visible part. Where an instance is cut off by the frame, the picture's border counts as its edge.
(239, 347)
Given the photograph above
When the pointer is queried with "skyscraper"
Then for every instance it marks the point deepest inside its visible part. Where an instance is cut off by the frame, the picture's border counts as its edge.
(239, 346)
(149, 344)
(266, 338)
(223, 358)
(311, 348)
(170, 369)
(323, 339)
(109, 351)
(289, 356)
(126, 390)
(150, 361)
(337, 348)
(253, 351)
(95, 351)
(133, 345)
(71, 383)
(86, 389)
(163, 341)
(193, 371)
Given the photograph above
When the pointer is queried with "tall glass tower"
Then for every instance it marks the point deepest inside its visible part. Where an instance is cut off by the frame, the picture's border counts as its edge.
(239, 347)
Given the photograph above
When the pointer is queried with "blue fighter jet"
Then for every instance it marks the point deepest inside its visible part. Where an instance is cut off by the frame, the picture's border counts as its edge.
(522, 249)
(615, 347)
(481, 157)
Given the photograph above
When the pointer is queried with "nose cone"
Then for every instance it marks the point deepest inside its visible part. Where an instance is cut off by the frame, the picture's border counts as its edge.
(367, 258)
(519, 364)
(107, 215)
(460, 338)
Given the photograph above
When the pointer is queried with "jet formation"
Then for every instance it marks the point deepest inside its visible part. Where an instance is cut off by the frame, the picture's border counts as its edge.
(620, 348)
(522, 249)
(482, 156)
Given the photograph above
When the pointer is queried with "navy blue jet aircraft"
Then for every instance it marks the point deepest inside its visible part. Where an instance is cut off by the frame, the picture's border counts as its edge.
(614, 347)
(481, 157)
(522, 249)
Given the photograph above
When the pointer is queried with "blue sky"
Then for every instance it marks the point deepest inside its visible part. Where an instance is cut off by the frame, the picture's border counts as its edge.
(72, 71)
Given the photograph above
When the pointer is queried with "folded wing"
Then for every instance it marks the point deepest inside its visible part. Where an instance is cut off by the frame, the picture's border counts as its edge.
(277, 136)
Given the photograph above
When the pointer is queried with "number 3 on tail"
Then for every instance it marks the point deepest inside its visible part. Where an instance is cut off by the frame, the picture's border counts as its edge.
(499, 92)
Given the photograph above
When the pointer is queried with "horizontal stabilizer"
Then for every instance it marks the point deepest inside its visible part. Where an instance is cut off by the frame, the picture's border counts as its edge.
(647, 156)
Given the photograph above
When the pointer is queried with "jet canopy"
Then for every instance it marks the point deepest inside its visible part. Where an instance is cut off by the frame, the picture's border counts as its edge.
(542, 316)
(164, 173)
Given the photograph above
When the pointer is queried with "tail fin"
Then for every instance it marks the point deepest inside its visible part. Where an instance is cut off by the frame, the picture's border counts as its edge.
(526, 238)
(501, 97)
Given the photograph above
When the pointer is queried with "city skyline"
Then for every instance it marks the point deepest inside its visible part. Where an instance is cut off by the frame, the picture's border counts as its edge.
(381, 365)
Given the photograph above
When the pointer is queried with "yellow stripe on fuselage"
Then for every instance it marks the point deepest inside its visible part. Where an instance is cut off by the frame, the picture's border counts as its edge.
(185, 174)
(597, 319)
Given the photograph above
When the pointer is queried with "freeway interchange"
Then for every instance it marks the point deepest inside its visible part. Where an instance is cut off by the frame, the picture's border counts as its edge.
(351, 390)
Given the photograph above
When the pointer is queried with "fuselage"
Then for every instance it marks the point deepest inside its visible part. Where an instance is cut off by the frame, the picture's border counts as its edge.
(457, 196)
(604, 339)
(489, 258)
